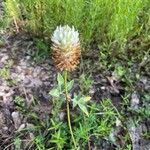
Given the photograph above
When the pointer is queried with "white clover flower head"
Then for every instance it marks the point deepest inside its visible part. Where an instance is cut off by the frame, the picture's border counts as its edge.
(65, 36)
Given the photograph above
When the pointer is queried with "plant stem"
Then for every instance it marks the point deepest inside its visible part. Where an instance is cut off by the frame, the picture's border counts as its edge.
(68, 109)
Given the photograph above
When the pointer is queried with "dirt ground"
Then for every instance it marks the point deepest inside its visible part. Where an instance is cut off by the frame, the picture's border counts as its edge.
(23, 77)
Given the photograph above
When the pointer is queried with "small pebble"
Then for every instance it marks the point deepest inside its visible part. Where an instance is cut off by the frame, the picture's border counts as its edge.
(16, 119)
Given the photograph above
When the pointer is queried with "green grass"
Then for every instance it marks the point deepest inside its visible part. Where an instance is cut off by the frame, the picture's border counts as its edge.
(5, 73)
(97, 20)
(125, 18)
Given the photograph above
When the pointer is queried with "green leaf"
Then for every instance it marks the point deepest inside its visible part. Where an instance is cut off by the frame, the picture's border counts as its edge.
(84, 99)
(70, 84)
(75, 102)
(55, 125)
(60, 80)
(120, 71)
(81, 102)
(54, 93)
(17, 143)
(84, 109)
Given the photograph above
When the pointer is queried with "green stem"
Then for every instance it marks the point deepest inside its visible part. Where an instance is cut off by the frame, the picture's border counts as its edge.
(68, 109)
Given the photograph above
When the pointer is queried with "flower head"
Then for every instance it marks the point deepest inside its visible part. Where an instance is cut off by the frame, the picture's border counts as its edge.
(66, 48)
(65, 36)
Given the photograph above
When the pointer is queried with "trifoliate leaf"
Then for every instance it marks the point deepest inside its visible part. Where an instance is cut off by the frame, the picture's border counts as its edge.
(60, 80)
(75, 102)
(70, 84)
(54, 93)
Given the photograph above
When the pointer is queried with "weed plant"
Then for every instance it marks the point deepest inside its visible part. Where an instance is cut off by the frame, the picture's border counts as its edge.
(54, 133)
(91, 122)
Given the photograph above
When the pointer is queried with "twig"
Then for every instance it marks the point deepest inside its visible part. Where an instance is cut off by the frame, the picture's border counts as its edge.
(16, 25)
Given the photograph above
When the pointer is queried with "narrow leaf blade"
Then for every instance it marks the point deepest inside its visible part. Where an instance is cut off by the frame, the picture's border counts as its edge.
(84, 109)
